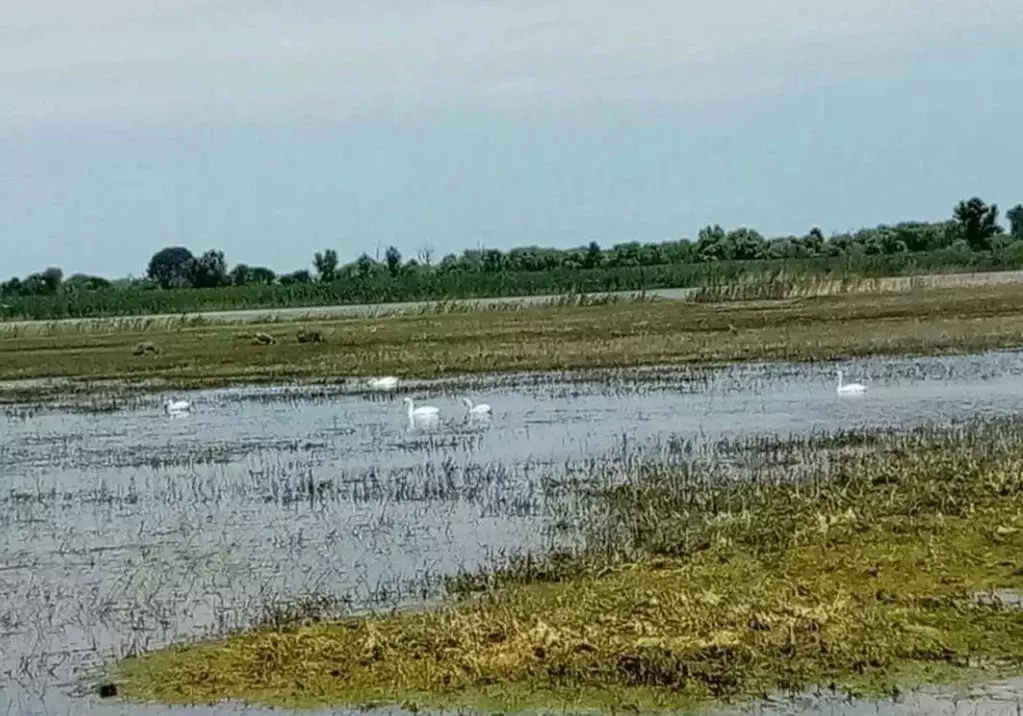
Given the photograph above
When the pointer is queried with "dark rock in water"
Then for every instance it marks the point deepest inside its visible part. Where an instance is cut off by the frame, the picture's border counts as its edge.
(107, 691)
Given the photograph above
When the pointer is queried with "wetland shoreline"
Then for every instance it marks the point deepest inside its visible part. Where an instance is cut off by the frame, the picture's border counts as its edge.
(129, 530)
(149, 357)
(878, 571)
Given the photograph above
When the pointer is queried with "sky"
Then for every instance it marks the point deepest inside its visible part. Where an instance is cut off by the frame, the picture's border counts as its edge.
(271, 129)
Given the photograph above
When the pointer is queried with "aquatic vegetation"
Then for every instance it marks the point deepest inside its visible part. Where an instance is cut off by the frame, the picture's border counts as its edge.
(290, 506)
(691, 584)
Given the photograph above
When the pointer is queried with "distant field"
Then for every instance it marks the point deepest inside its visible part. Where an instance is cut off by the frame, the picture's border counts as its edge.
(567, 336)
(737, 291)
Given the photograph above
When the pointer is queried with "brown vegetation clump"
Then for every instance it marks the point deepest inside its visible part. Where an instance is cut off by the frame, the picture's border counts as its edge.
(311, 335)
(263, 339)
(145, 348)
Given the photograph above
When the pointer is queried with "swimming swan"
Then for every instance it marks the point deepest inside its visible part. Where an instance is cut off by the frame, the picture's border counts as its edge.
(480, 409)
(849, 388)
(423, 411)
(177, 406)
(387, 382)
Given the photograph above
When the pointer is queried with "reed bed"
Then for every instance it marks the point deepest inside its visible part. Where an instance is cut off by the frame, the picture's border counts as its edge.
(863, 562)
(175, 322)
(780, 284)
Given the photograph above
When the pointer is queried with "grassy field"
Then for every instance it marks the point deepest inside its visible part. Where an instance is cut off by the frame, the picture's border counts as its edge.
(432, 285)
(745, 288)
(874, 571)
(613, 334)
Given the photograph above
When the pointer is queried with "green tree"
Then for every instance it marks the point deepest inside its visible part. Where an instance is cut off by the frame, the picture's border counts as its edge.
(209, 270)
(746, 244)
(85, 282)
(393, 258)
(262, 275)
(712, 244)
(813, 242)
(300, 276)
(326, 264)
(492, 261)
(240, 275)
(169, 267)
(12, 287)
(52, 277)
(425, 255)
(364, 266)
(44, 283)
(977, 223)
(1015, 217)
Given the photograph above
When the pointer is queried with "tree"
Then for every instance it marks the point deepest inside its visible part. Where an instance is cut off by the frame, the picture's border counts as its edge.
(364, 266)
(300, 276)
(425, 255)
(594, 256)
(85, 282)
(977, 223)
(813, 242)
(52, 279)
(1015, 217)
(240, 275)
(492, 261)
(12, 287)
(326, 264)
(449, 264)
(261, 274)
(711, 244)
(170, 267)
(746, 244)
(393, 258)
(209, 270)
(44, 283)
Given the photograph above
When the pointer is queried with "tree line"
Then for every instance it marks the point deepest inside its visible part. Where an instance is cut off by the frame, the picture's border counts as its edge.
(974, 228)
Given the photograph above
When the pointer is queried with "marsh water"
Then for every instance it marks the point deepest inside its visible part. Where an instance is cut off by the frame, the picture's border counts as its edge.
(123, 528)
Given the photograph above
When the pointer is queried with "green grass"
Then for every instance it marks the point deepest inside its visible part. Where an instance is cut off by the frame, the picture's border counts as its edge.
(692, 590)
(439, 286)
(607, 335)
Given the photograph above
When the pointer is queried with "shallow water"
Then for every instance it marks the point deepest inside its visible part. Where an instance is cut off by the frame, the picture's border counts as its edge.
(128, 529)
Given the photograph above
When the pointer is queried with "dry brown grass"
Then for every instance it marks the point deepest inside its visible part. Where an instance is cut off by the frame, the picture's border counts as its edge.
(571, 337)
(310, 335)
(261, 338)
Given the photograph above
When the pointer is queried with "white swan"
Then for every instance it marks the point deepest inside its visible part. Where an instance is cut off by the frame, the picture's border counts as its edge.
(480, 409)
(423, 411)
(177, 406)
(849, 388)
(387, 382)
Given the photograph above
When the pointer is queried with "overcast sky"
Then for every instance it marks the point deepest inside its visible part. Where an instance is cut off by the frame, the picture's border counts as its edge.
(274, 129)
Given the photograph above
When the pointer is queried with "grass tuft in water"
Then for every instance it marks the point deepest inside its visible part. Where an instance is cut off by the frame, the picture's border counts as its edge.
(878, 572)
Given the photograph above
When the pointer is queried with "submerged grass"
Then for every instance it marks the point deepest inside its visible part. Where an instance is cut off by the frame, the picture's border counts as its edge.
(564, 337)
(692, 589)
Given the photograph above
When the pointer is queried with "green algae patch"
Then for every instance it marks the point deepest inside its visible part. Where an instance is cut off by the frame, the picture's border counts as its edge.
(879, 575)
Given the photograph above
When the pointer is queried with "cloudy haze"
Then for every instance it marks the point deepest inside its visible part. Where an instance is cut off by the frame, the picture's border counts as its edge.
(274, 129)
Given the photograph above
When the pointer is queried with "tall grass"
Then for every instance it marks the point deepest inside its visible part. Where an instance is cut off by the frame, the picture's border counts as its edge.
(436, 286)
